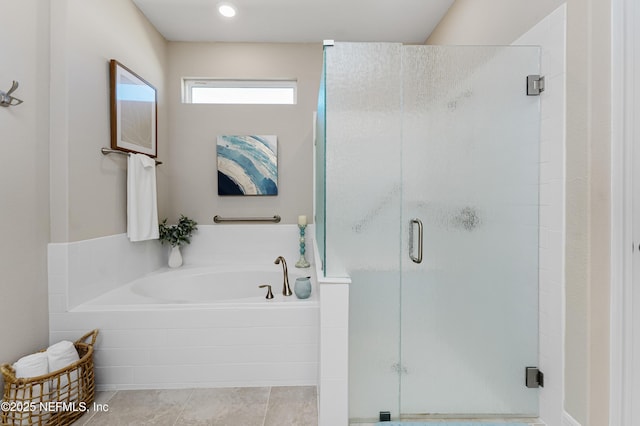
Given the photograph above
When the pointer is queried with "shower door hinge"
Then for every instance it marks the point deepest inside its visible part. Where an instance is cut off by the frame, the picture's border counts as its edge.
(534, 378)
(535, 85)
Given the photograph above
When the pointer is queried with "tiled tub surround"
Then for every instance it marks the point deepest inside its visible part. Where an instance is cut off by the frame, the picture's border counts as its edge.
(162, 346)
(82, 270)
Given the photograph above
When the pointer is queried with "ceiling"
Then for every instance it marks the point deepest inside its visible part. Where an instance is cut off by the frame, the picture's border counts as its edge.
(296, 21)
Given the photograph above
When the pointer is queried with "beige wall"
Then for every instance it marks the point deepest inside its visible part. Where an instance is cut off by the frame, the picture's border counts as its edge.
(24, 179)
(489, 22)
(588, 206)
(588, 176)
(191, 162)
(89, 190)
(578, 200)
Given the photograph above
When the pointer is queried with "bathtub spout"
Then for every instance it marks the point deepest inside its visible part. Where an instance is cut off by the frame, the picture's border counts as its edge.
(285, 283)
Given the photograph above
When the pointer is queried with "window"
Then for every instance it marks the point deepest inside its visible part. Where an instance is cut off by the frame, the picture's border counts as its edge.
(212, 91)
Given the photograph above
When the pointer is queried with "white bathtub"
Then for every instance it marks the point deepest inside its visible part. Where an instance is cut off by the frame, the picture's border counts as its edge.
(201, 286)
(200, 326)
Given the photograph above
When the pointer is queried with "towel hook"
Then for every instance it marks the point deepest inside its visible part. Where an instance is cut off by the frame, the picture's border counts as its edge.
(6, 99)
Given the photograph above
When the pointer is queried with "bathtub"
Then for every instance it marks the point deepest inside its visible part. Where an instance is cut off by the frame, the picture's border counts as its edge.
(203, 286)
(200, 326)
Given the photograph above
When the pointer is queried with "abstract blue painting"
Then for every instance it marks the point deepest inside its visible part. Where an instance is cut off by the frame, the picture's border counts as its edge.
(247, 165)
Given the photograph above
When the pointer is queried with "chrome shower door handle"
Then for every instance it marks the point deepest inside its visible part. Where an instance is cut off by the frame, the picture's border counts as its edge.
(418, 222)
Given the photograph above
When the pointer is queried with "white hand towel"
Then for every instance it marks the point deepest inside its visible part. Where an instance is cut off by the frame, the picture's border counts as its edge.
(142, 203)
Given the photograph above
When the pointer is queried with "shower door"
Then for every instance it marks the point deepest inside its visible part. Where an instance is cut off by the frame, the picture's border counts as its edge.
(442, 139)
(469, 268)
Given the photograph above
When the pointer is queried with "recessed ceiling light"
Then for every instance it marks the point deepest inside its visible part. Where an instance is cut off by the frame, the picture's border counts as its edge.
(227, 10)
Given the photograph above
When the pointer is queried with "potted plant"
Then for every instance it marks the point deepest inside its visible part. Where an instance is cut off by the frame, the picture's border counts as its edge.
(177, 235)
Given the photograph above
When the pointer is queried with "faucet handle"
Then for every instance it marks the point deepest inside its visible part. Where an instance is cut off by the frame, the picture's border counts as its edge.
(269, 292)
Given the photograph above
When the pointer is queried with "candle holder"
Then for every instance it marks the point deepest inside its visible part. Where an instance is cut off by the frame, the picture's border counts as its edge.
(302, 262)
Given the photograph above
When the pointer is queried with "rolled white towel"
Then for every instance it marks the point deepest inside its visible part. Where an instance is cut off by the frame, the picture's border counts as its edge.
(30, 366)
(33, 365)
(61, 355)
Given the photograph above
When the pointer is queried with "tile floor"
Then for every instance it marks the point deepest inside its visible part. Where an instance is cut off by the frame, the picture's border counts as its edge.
(264, 406)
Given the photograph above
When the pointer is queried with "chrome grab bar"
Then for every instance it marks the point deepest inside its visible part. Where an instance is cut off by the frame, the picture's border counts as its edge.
(218, 219)
(418, 222)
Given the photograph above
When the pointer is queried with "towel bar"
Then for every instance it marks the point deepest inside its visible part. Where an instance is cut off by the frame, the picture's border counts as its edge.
(107, 151)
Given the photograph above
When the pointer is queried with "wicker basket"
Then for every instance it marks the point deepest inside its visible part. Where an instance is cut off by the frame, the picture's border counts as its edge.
(57, 398)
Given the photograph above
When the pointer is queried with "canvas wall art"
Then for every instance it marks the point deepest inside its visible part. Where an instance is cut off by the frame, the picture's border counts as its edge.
(247, 165)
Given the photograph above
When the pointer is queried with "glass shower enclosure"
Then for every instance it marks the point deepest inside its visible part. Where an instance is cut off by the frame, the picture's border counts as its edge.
(427, 197)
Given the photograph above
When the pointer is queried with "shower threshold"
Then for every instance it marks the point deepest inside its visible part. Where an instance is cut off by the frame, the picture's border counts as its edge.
(466, 422)
(452, 421)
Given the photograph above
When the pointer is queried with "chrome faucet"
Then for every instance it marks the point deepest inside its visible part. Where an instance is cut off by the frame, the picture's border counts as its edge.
(285, 283)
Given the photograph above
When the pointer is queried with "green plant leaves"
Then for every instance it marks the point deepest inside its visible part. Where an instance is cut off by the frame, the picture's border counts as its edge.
(179, 234)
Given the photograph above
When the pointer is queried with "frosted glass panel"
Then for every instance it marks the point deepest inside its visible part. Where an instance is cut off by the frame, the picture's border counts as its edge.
(319, 205)
(363, 96)
(470, 173)
(363, 124)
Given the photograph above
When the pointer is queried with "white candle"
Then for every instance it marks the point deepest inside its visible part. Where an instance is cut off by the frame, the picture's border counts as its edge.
(302, 220)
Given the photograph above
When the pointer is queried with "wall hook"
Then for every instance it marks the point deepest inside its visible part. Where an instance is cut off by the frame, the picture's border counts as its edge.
(6, 99)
